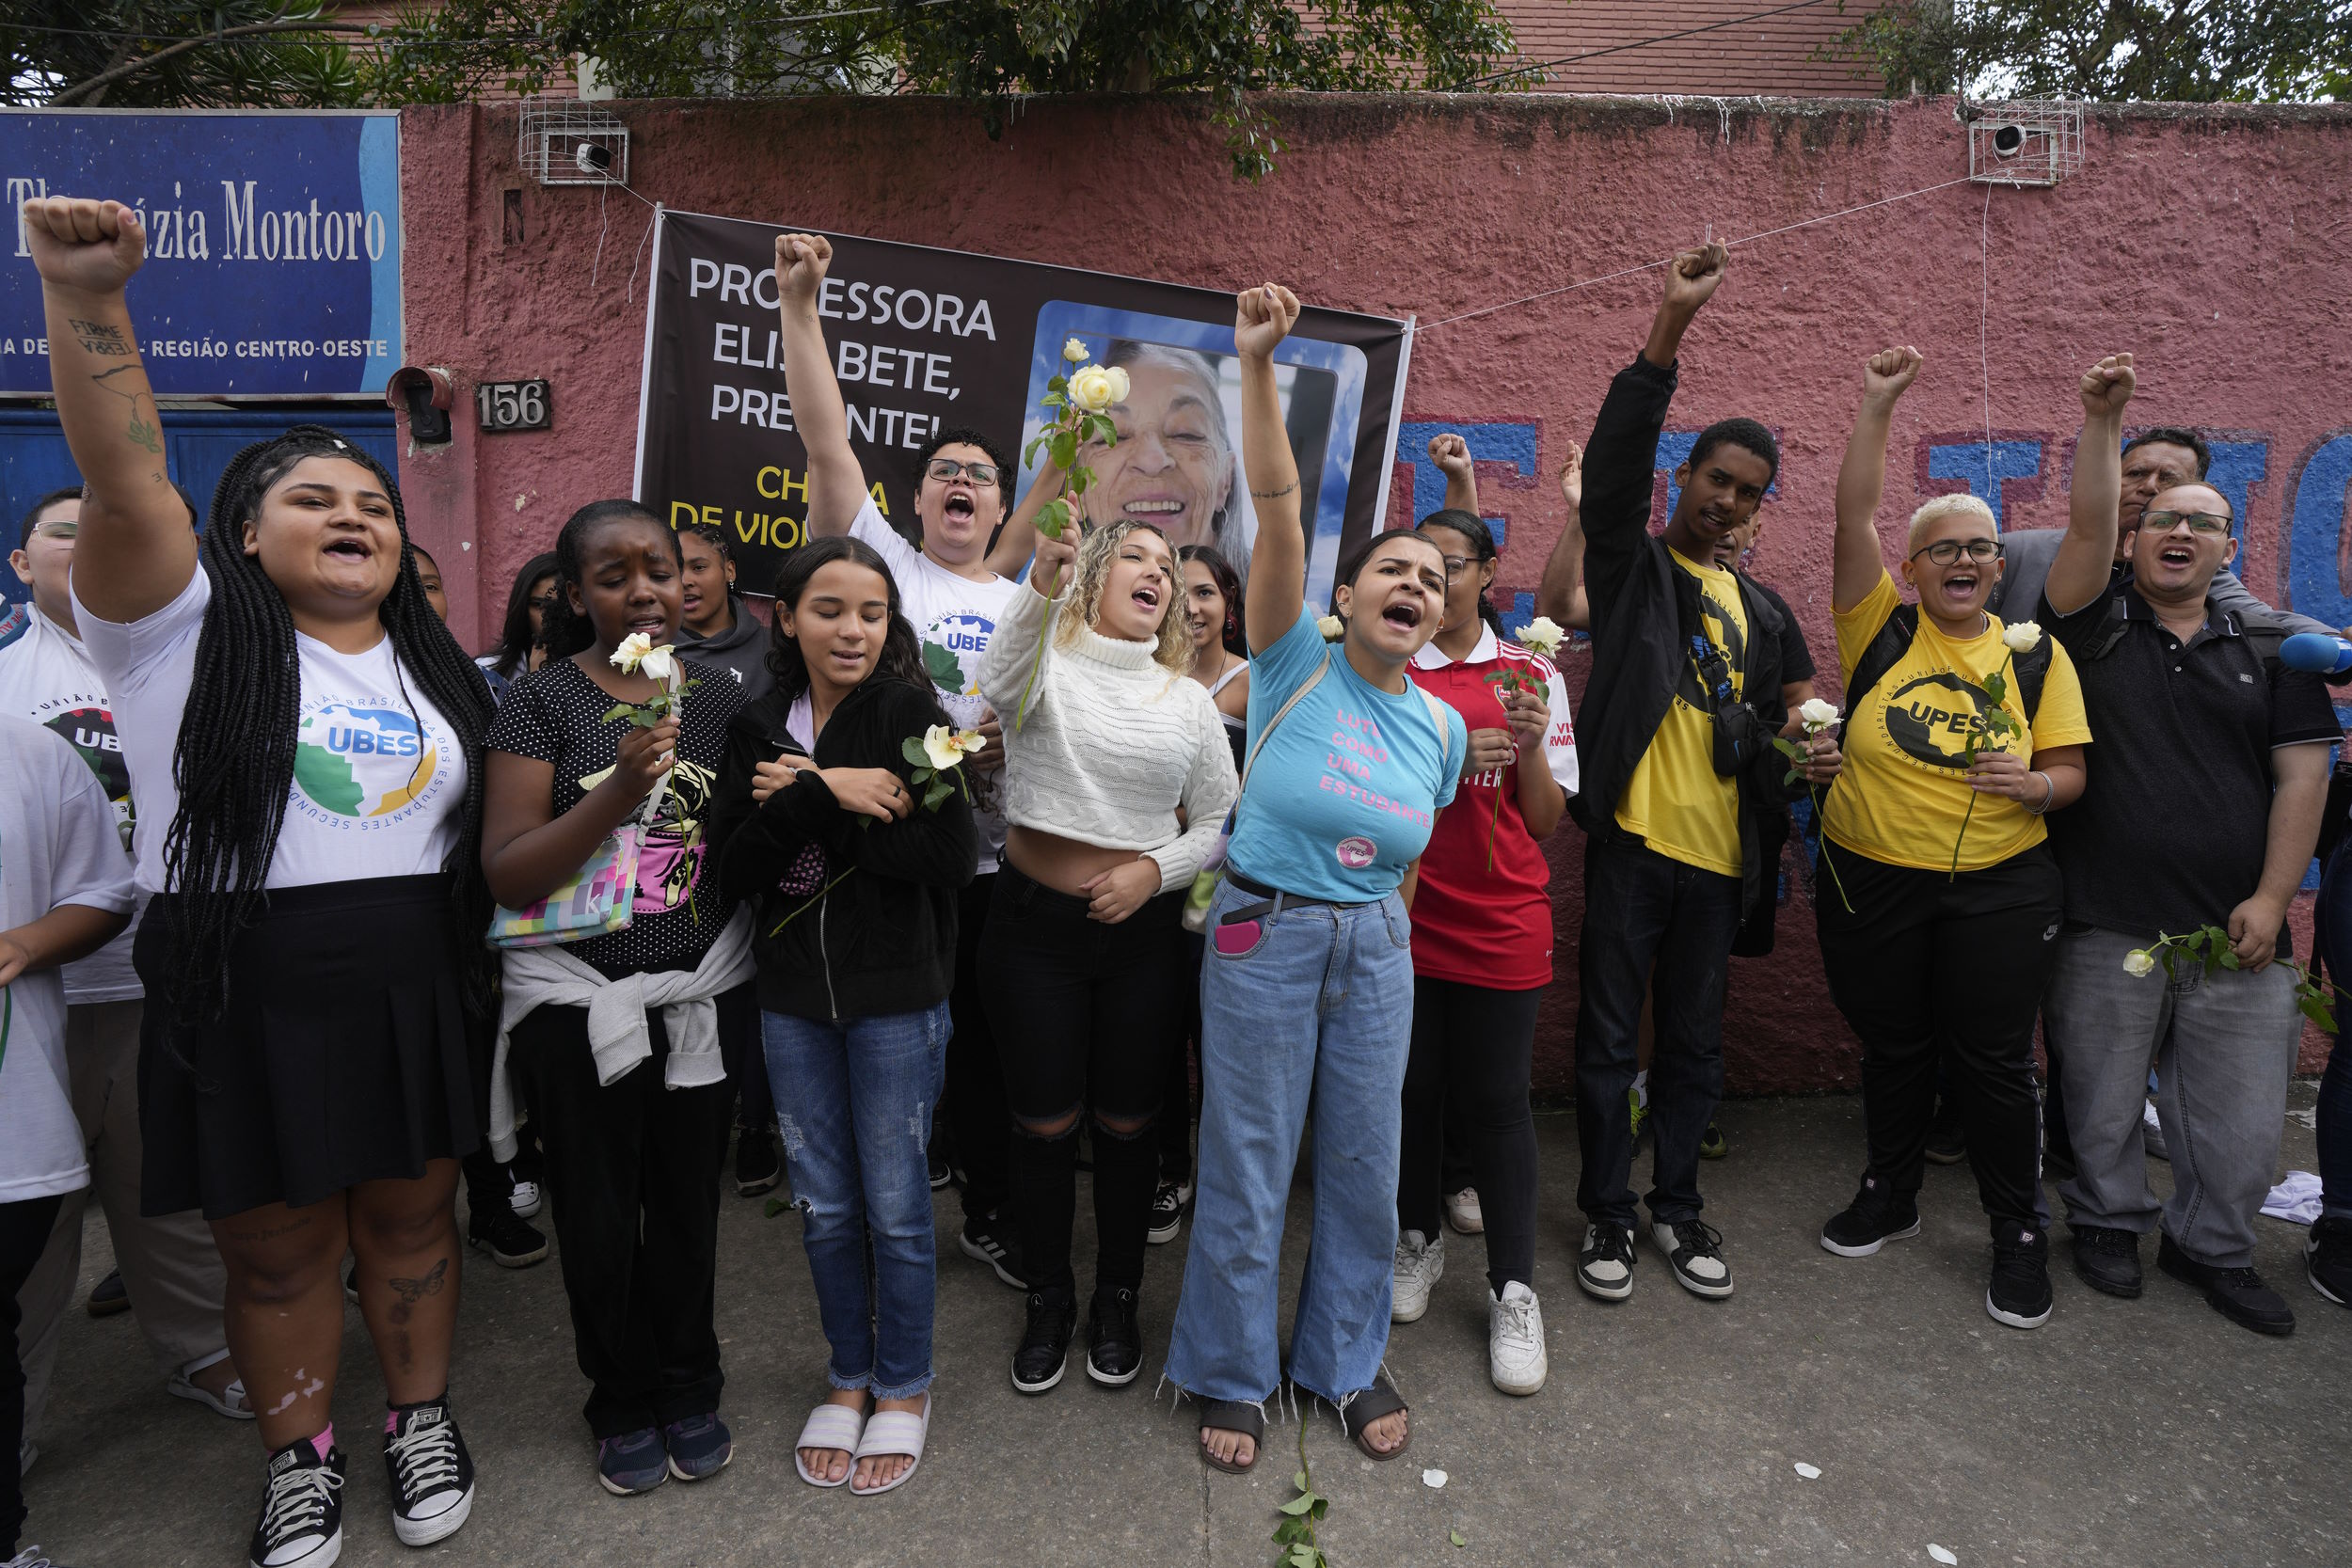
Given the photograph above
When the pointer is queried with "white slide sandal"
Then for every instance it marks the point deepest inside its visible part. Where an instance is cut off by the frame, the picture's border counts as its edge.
(830, 1426)
(894, 1431)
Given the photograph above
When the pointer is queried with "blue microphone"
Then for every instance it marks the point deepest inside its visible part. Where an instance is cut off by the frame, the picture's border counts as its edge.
(2316, 652)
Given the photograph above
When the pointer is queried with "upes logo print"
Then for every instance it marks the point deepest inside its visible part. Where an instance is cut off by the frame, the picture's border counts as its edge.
(358, 766)
(1929, 720)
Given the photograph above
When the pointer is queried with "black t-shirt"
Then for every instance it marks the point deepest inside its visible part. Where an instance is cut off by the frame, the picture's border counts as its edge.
(2174, 818)
(556, 715)
(1796, 659)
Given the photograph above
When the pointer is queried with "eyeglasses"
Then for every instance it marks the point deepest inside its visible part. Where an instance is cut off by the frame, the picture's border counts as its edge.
(1945, 551)
(1456, 564)
(57, 527)
(2210, 524)
(946, 469)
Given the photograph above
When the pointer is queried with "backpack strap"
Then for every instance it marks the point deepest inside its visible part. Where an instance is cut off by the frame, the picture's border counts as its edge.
(1885, 650)
(1258, 743)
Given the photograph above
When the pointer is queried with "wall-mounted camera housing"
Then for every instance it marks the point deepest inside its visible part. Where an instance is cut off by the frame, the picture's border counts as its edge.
(2024, 143)
(425, 394)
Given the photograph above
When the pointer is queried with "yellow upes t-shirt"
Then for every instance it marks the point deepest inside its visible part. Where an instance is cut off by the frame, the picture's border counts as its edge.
(1676, 800)
(1904, 792)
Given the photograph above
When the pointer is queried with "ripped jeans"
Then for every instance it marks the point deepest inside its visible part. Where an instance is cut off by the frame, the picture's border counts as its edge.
(853, 1104)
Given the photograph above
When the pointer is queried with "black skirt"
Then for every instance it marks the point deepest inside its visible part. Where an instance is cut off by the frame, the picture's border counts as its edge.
(341, 1056)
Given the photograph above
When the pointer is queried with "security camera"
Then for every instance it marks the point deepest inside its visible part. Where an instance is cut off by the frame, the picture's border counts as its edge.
(593, 159)
(2006, 141)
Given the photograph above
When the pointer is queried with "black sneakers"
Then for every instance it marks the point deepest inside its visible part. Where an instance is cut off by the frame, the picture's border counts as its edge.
(1168, 1211)
(302, 1510)
(431, 1472)
(1114, 1343)
(2107, 1259)
(1037, 1364)
(2238, 1294)
(2020, 1293)
(757, 1169)
(511, 1243)
(2327, 1259)
(988, 1239)
(1604, 1266)
(1876, 1216)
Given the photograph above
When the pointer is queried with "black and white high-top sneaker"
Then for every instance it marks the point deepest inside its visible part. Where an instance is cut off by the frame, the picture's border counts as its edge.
(302, 1510)
(431, 1472)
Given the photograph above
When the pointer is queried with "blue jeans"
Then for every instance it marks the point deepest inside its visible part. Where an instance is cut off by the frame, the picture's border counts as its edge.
(853, 1102)
(1318, 1010)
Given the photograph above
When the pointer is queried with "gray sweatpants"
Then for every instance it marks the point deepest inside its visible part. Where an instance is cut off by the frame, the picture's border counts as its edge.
(2224, 1047)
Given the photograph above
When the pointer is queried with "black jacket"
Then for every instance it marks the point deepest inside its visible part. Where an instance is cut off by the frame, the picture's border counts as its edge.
(883, 939)
(741, 650)
(1644, 608)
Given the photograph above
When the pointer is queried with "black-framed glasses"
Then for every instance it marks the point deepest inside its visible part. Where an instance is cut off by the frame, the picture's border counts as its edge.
(947, 468)
(2211, 524)
(1945, 551)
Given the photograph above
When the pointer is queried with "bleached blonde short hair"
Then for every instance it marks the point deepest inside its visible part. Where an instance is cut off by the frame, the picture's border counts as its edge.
(1959, 505)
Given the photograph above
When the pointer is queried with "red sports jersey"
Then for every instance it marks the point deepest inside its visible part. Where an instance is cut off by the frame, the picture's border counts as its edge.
(1478, 924)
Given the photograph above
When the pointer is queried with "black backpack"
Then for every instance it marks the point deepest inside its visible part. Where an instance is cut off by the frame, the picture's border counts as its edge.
(1902, 629)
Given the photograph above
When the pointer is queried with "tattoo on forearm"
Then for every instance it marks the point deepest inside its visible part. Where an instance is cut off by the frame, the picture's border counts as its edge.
(98, 338)
(140, 430)
(1276, 495)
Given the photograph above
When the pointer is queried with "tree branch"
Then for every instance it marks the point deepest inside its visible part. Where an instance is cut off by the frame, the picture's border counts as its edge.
(131, 68)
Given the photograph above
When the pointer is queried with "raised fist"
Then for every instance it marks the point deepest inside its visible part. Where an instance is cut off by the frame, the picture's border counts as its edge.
(1692, 277)
(1262, 317)
(79, 244)
(1452, 455)
(1887, 373)
(2107, 385)
(800, 263)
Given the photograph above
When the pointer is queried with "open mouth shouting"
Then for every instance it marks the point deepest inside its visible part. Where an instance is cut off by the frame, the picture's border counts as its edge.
(1403, 614)
(2177, 555)
(351, 548)
(959, 507)
(1147, 598)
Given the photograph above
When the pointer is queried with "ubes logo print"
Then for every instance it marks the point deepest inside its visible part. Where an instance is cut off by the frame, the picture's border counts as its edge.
(356, 764)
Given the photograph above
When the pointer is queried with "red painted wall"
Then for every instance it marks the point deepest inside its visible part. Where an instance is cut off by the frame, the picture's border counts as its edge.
(2208, 242)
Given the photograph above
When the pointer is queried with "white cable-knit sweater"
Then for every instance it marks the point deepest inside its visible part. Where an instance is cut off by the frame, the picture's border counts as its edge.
(1113, 743)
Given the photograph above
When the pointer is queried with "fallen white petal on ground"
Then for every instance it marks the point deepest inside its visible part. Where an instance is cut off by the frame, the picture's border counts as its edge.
(1810, 1472)
(1941, 1555)
(1433, 1479)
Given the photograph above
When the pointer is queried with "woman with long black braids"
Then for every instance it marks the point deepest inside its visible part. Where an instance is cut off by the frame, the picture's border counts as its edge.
(306, 739)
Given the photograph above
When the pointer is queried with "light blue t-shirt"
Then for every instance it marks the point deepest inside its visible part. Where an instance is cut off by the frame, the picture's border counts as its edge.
(1342, 796)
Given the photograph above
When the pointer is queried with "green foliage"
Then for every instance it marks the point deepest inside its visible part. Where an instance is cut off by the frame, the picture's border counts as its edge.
(992, 51)
(2247, 50)
(1294, 1532)
(2210, 947)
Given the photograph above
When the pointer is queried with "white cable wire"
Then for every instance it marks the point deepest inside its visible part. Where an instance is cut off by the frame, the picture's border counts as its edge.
(1645, 266)
(1984, 311)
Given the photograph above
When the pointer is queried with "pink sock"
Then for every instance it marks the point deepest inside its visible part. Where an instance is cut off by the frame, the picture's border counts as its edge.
(325, 1442)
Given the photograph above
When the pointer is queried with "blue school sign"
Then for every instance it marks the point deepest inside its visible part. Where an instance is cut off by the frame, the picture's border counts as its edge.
(273, 244)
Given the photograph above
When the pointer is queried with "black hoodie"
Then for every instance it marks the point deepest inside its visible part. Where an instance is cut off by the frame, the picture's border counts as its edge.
(853, 917)
(741, 649)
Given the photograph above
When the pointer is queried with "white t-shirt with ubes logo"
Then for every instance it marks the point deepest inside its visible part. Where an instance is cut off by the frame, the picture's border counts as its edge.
(379, 779)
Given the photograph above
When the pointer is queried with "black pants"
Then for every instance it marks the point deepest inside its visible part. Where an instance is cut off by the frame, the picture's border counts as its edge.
(1643, 911)
(1177, 1104)
(1454, 1169)
(976, 1120)
(1932, 968)
(1474, 1053)
(23, 1231)
(1086, 1014)
(633, 1169)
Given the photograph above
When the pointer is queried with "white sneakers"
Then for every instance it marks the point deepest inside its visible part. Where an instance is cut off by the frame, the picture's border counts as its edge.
(1515, 1340)
(1420, 1265)
(1463, 1214)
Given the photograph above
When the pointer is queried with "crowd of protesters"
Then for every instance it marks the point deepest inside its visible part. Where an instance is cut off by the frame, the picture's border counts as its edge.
(881, 921)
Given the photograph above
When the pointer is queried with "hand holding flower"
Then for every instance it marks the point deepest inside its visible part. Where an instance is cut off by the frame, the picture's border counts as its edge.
(2006, 774)
(1529, 717)
(2254, 931)
(2250, 945)
(645, 753)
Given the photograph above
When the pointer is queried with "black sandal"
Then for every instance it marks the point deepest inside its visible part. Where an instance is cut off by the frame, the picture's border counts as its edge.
(1368, 1406)
(1234, 1416)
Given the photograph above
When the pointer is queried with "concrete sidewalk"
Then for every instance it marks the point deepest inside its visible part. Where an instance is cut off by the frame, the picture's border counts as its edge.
(2148, 1433)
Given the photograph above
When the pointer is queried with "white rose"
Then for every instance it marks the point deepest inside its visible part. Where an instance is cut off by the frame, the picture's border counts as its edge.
(2022, 638)
(1118, 383)
(658, 663)
(1542, 635)
(634, 648)
(1094, 389)
(1817, 715)
(2138, 962)
(1074, 351)
(1332, 629)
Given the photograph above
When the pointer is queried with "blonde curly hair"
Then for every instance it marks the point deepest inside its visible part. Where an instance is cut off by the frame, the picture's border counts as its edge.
(1083, 599)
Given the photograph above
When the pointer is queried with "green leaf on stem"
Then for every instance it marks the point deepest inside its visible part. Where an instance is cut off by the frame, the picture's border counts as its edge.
(939, 791)
(776, 1206)
(1299, 1504)
(1057, 385)
(2226, 958)
(912, 749)
(1029, 454)
(1065, 448)
(1290, 1531)
(618, 710)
